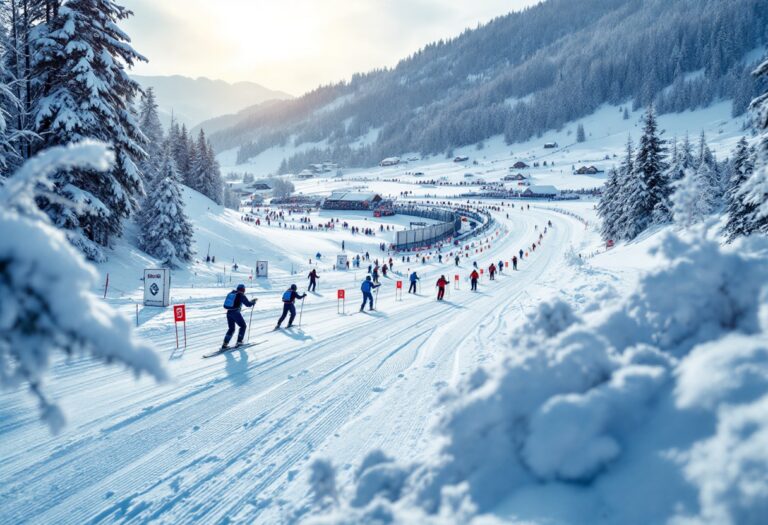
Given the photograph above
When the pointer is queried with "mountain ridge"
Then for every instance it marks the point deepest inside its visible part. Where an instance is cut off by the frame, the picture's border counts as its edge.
(520, 75)
(192, 100)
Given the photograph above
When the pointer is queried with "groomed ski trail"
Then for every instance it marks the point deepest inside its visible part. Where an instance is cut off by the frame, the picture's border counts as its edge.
(230, 438)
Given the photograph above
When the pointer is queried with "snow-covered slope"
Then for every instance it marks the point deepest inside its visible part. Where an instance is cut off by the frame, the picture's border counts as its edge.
(588, 407)
(231, 437)
(636, 407)
(606, 134)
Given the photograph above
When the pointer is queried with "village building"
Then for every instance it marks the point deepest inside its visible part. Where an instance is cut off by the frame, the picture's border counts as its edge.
(541, 192)
(348, 200)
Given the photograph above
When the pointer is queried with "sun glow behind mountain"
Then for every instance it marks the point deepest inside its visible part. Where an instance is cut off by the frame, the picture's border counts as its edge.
(294, 45)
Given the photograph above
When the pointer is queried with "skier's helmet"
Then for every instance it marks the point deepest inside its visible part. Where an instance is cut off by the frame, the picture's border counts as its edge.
(367, 277)
(294, 287)
(240, 287)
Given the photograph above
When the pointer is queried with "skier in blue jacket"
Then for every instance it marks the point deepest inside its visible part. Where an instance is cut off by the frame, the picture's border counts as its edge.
(289, 297)
(233, 303)
(413, 278)
(367, 289)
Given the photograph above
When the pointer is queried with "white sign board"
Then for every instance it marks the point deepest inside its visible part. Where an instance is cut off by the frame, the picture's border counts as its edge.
(341, 262)
(262, 269)
(157, 287)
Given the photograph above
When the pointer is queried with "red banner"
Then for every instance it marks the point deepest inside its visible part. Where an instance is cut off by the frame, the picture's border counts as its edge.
(179, 313)
(399, 285)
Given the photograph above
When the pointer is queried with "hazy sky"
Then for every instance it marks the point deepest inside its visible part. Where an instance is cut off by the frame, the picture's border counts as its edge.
(294, 45)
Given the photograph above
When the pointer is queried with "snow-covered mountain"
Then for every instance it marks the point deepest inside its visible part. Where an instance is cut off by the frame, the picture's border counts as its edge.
(193, 100)
(518, 76)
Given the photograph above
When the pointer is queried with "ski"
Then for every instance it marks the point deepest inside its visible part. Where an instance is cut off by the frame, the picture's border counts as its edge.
(224, 351)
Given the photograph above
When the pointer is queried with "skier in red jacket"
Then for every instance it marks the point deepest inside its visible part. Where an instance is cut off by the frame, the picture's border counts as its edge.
(442, 282)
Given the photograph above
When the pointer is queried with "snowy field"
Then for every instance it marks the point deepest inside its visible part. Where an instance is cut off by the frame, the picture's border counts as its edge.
(399, 413)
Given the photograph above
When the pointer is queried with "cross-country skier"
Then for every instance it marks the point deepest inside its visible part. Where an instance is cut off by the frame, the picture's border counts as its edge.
(234, 301)
(501, 266)
(442, 282)
(289, 298)
(413, 278)
(521, 254)
(456, 260)
(313, 277)
(514, 262)
(367, 288)
(473, 277)
(492, 270)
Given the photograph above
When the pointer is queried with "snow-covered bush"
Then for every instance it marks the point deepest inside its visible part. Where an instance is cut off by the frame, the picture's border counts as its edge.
(46, 306)
(653, 411)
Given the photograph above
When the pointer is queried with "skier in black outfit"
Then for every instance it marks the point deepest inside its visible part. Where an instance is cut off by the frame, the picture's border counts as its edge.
(235, 300)
(313, 277)
(289, 297)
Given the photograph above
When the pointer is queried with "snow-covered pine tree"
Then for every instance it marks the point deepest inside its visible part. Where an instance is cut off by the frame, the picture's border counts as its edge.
(180, 151)
(17, 24)
(199, 163)
(81, 58)
(213, 185)
(165, 231)
(738, 211)
(754, 191)
(713, 174)
(648, 197)
(625, 116)
(149, 122)
(47, 307)
(691, 199)
(8, 104)
(630, 184)
(581, 136)
(609, 207)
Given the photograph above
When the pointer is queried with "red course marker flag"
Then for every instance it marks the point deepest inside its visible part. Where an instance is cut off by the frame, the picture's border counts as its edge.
(179, 313)
(340, 294)
(399, 285)
(180, 316)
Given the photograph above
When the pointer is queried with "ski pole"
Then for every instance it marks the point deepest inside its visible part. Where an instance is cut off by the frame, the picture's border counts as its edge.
(301, 310)
(376, 299)
(249, 325)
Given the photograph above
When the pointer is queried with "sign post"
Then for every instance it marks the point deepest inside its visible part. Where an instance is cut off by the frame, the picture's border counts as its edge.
(340, 300)
(456, 282)
(262, 269)
(157, 287)
(399, 290)
(341, 262)
(180, 316)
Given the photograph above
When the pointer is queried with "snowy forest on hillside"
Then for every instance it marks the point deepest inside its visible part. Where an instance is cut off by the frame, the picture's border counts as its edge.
(63, 79)
(655, 186)
(519, 76)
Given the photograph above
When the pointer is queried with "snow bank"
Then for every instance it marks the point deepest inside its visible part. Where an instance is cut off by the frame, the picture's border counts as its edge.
(45, 301)
(653, 411)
